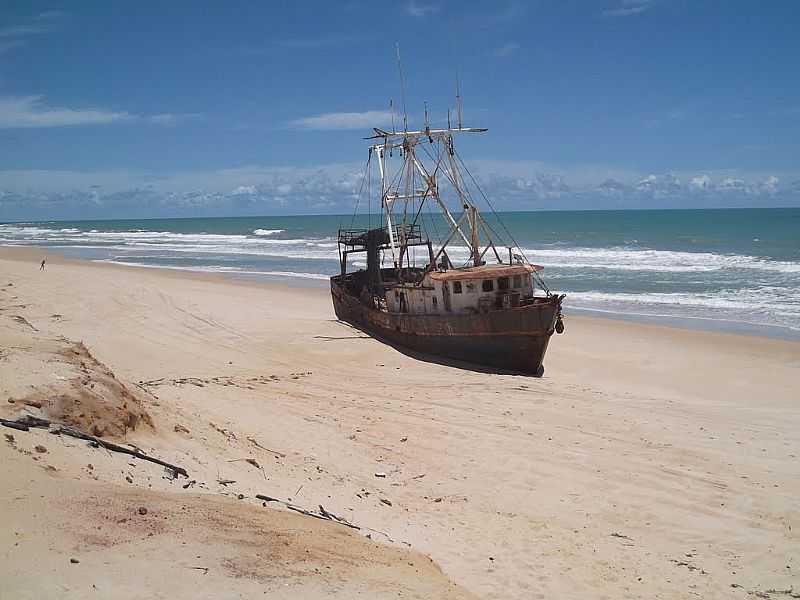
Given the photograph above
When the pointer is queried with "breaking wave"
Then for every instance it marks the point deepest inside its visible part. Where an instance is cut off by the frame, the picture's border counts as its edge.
(631, 259)
(754, 306)
(628, 279)
(261, 243)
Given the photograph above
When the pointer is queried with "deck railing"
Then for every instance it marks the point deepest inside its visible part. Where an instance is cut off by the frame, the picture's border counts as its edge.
(358, 237)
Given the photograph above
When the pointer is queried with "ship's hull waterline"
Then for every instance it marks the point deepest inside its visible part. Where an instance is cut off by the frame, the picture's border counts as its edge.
(513, 339)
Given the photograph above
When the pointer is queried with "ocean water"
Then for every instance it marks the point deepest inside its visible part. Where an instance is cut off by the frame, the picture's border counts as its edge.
(728, 268)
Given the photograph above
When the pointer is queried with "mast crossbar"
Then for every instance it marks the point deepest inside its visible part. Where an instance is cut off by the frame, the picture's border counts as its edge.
(404, 138)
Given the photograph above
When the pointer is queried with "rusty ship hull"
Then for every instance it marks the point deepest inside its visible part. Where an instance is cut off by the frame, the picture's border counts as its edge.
(513, 339)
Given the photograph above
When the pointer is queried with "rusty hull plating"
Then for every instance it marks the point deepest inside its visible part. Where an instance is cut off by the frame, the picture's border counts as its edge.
(511, 339)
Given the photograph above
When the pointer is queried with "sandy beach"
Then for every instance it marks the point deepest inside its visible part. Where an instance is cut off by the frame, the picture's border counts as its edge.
(648, 462)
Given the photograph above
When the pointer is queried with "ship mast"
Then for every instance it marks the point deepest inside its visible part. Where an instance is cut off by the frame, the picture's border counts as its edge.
(406, 142)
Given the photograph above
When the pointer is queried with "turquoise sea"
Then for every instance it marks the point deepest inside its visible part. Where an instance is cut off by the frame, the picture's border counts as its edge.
(726, 268)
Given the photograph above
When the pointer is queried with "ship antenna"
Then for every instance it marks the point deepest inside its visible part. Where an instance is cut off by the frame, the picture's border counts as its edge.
(427, 124)
(458, 102)
(391, 109)
(402, 87)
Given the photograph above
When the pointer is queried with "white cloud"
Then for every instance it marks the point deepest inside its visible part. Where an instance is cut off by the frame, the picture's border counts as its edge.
(770, 185)
(660, 185)
(51, 14)
(646, 182)
(732, 184)
(584, 176)
(628, 8)
(22, 30)
(416, 9)
(506, 49)
(257, 189)
(44, 22)
(17, 36)
(244, 189)
(700, 182)
(611, 187)
(31, 111)
(344, 120)
(170, 118)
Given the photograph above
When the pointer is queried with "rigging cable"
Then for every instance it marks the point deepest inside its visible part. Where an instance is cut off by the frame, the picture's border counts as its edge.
(360, 190)
(499, 220)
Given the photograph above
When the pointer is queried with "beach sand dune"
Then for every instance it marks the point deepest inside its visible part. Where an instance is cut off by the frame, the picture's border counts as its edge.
(62, 379)
(649, 462)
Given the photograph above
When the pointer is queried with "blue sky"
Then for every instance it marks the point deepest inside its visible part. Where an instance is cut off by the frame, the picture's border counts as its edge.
(182, 108)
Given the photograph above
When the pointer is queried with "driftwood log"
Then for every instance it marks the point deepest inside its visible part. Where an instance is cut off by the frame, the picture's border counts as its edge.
(14, 425)
(323, 514)
(24, 423)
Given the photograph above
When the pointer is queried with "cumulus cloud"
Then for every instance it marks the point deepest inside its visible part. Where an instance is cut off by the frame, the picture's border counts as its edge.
(770, 184)
(659, 185)
(611, 187)
(245, 189)
(732, 184)
(334, 188)
(700, 182)
(344, 120)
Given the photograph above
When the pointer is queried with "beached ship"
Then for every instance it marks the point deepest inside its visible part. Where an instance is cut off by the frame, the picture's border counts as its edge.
(492, 310)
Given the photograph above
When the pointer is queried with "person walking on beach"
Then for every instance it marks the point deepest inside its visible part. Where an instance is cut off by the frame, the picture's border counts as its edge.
(41, 267)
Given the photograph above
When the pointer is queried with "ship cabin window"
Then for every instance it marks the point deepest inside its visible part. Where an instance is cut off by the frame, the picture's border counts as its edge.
(517, 281)
(470, 287)
(456, 287)
(488, 285)
(502, 283)
(435, 301)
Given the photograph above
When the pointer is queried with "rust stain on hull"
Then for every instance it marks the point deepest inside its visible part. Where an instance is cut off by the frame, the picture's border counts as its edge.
(513, 339)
